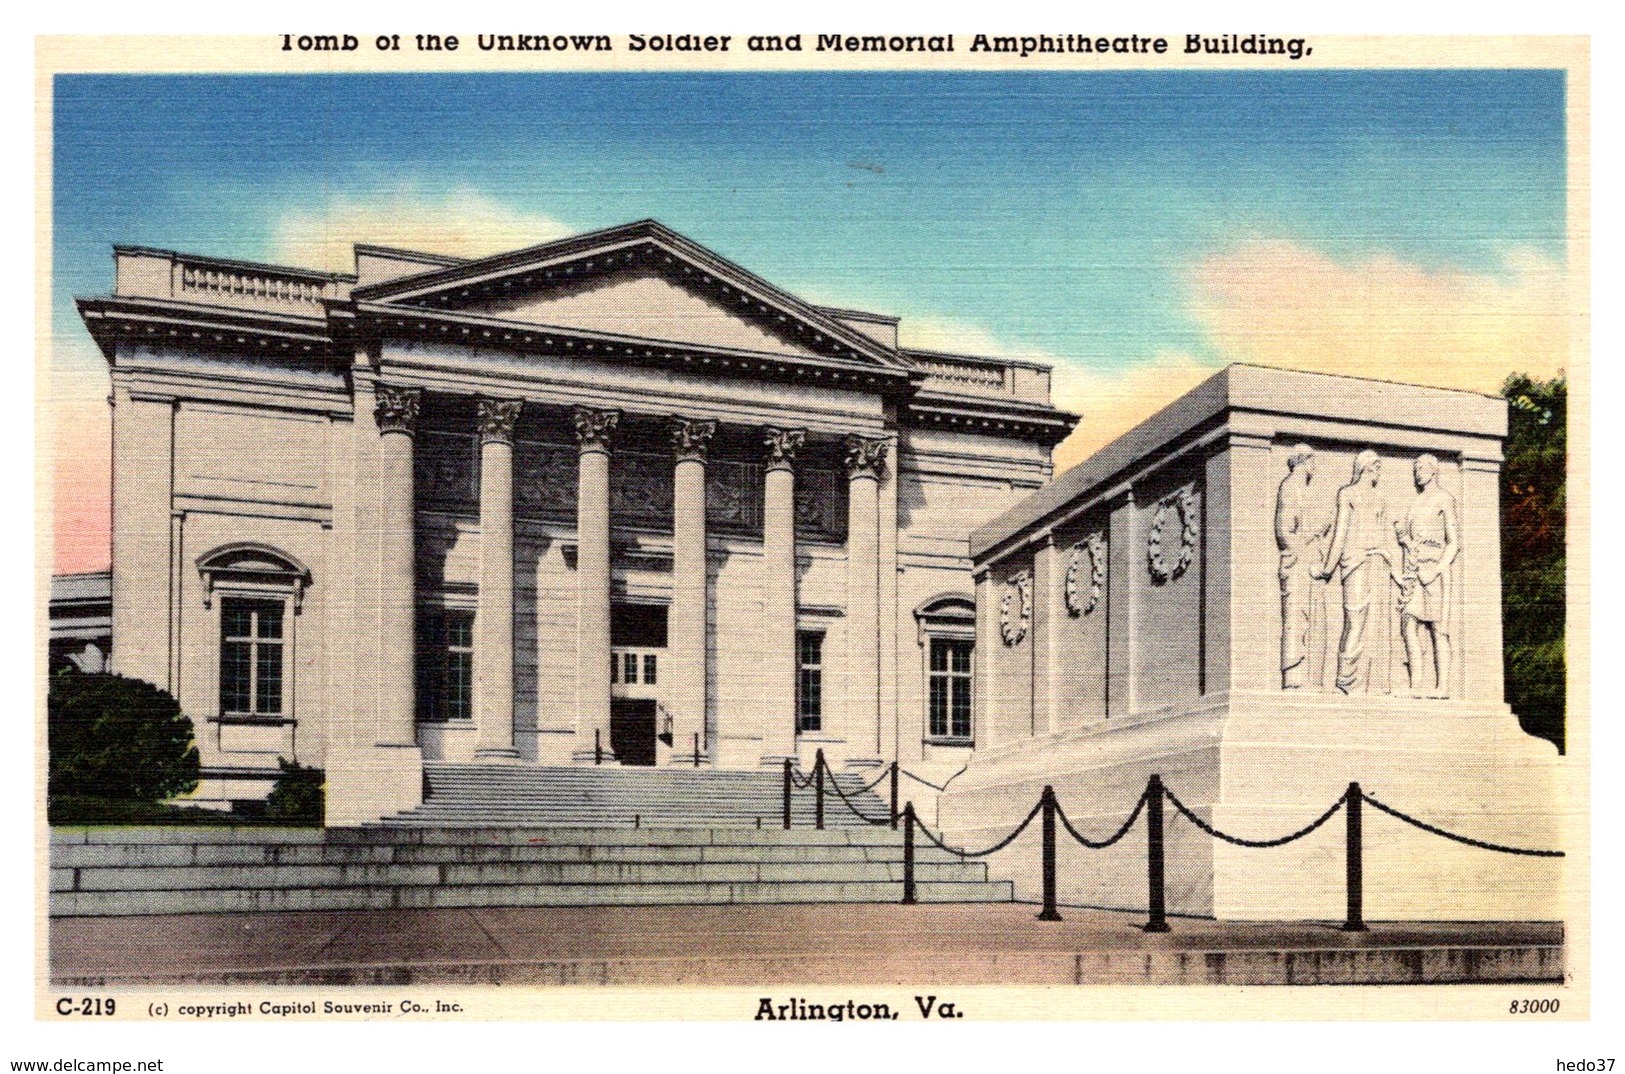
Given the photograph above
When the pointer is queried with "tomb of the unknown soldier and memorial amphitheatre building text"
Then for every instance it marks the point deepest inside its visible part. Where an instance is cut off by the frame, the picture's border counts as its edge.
(616, 501)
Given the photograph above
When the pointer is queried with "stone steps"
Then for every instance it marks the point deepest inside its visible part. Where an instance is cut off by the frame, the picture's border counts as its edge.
(133, 871)
(612, 796)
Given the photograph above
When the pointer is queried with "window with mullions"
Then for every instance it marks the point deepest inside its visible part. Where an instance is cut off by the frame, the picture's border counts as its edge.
(950, 687)
(251, 657)
(809, 680)
(445, 665)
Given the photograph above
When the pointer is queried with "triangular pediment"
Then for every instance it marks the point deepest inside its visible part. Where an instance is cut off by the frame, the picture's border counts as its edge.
(643, 303)
(641, 281)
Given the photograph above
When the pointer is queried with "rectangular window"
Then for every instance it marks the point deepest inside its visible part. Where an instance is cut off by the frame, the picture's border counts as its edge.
(445, 664)
(629, 673)
(950, 686)
(649, 668)
(809, 680)
(250, 657)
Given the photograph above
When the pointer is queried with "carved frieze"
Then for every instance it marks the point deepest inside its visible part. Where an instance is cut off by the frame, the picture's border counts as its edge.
(496, 420)
(1016, 608)
(1081, 600)
(594, 428)
(1165, 563)
(865, 457)
(396, 408)
(820, 505)
(641, 489)
(546, 479)
(444, 469)
(733, 496)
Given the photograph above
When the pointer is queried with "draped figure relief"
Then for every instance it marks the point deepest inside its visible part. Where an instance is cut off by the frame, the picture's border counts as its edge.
(1300, 536)
(1392, 556)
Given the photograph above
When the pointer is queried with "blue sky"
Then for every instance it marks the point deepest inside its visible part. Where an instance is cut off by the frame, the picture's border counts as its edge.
(1053, 210)
(1134, 228)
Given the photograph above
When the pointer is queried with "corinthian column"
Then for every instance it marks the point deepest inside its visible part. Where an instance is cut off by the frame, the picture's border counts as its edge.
(778, 640)
(493, 623)
(865, 461)
(397, 413)
(594, 430)
(690, 441)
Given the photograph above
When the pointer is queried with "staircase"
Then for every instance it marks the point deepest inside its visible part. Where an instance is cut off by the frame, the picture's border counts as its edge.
(514, 835)
(474, 795)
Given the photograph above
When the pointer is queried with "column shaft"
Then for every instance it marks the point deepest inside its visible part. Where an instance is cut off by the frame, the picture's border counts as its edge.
(593, 428)
(865, 458)
(688, 625)
(493, 623)
(397, 577)
(778, 642)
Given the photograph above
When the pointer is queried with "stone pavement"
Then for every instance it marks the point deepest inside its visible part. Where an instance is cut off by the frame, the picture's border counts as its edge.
(761, 945)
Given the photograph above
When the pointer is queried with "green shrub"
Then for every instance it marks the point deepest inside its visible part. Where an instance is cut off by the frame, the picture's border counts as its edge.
(116, 738)
(298, 797)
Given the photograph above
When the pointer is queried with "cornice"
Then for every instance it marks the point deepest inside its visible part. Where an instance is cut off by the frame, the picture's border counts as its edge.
(476, 330)
(645, 243)
(990, 417)
(193, 324)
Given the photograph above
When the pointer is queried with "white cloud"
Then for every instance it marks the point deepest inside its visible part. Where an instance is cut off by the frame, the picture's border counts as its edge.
(462, 223)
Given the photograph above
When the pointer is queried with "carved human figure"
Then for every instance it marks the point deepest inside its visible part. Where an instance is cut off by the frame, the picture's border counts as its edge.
(1362, 549)
(1429, 543)
(1298, 535)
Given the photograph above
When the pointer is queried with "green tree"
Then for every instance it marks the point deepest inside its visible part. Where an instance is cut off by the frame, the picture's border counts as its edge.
(1533, 551)
(118, 739)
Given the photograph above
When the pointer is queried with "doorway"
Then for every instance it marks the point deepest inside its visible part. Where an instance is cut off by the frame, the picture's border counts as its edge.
(632, 730)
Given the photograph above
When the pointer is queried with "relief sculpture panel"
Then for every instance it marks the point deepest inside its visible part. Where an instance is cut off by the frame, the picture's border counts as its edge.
(1367, 584)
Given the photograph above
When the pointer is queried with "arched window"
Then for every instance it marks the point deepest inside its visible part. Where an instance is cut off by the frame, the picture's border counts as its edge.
(947, 635)
(257, 592)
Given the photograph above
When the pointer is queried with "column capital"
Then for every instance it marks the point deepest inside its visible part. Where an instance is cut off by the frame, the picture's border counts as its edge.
(782, 445)
(865, 457)
(496, 420)
(691, 438)
(595, 428)
(397, 408)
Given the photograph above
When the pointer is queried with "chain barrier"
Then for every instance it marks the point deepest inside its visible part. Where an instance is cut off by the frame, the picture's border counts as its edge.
(996, 847)
(885, 774)
(1468, 840)
(1139, 807)
(833, 782)
(928, 783)
(1260, 843)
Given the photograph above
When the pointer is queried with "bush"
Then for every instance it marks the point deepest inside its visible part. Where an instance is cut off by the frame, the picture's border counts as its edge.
(298, 797)
(116, 738)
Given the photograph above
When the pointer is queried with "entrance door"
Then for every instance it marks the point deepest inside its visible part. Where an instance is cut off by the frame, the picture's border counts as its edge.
(632, 730)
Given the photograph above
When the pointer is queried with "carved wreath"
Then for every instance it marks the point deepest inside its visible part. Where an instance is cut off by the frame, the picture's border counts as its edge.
(1184, 502)
(1095, 545)
(1016, 609)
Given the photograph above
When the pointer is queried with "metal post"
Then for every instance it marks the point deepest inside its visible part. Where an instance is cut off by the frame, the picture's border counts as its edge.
(894, 796)
(908, 855)
(1158, 919)
(1049, 912)
(1355, 860)
(696, 749)
(597, 746)
(818, 780)
(787, 778)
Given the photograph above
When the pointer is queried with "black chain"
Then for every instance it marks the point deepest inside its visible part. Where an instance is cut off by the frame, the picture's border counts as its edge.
(803, 784)
(1481, 844)
(865, 790)
(855, 810)
(1000, 845)
(1090, 843)
(928, 783)
(1240, 842)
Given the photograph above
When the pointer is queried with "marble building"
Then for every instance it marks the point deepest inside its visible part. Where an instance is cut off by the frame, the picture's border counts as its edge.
(1280, 583)
(611, 499)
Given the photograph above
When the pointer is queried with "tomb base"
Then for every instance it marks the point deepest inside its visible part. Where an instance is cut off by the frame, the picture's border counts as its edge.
(1262, 766)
